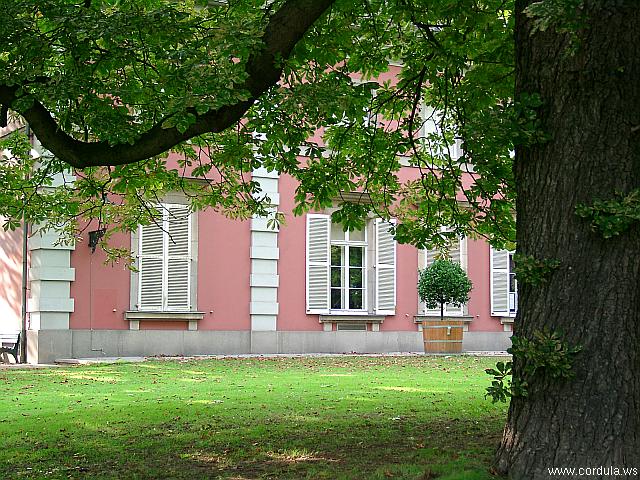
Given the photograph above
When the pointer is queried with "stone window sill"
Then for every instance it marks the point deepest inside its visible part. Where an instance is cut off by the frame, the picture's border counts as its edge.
(361, 318)
(464, 318)
(137, 316)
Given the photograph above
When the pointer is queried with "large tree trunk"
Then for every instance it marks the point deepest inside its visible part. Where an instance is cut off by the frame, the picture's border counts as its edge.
(592, 112)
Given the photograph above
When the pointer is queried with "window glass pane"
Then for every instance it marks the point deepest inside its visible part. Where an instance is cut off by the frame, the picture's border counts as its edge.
(356, 236)
(336, 298)
(512, 282)
(355, 256)
(511, 263)
(355, 278)
(355, 299)
(336, 255)
(336, 276)
(337, 233)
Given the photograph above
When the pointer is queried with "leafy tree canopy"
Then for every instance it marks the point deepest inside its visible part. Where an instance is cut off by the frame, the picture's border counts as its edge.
(109, 87)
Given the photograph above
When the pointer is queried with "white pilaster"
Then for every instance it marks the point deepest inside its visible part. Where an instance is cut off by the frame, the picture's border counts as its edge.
(264, 278)
(50, 276)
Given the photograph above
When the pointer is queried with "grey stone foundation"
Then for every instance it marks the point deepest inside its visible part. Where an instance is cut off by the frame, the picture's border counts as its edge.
(46, 346)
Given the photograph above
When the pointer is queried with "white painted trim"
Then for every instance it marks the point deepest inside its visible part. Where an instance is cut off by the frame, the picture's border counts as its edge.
(52, 273)
(263, 308)
(262, 172)
(263, 323)
(261, 224)
(266, 253)
(378, 266)
(50, 304)
(326, 264)
(264, 280)
(422, 264)
(351, 318)
(163, 316)
(499, 313)
(177, 199)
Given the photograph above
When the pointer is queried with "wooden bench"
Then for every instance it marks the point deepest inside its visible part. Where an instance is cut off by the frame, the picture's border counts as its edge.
(10, 343)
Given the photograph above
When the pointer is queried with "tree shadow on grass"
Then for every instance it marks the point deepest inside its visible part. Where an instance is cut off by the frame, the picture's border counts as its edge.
(367, 446)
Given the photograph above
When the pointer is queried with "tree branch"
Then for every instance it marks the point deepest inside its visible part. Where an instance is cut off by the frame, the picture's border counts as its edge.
(284, 30)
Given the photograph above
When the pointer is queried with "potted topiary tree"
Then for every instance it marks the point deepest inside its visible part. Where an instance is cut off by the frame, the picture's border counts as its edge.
(443, 282)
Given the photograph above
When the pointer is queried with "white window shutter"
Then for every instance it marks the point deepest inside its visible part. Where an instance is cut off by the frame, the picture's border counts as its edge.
(150, 267)
(164, 261)
(317, 259)
(178, 257)
(499, 282)
(385, 269)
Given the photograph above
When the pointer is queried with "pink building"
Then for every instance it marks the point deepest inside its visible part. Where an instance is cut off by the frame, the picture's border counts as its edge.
(208, 285)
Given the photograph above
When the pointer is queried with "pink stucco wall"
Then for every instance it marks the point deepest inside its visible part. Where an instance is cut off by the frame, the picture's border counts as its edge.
(224, 269)
(291, 265)
(10, 280)
(406, 290)
(480, 304)
(291, 268)
(102, 292)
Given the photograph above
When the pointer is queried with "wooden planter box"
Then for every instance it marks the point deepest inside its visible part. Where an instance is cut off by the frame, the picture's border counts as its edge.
(442, 336)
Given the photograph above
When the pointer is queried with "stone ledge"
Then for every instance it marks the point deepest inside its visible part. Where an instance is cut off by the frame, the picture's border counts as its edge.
(163, 316)
(464, 318)
(364, 318)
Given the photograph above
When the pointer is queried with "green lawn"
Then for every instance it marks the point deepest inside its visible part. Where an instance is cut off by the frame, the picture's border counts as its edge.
(293, 418)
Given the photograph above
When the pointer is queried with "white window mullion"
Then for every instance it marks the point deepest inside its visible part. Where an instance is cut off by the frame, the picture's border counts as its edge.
(165, 258)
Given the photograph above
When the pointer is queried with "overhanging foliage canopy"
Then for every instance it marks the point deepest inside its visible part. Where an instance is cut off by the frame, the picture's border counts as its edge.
(109, 87)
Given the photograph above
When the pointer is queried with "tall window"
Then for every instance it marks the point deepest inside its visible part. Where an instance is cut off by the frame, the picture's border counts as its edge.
(504, 286)
(164, 261)
(457, 254)
(348, 269)
(350, 272)
(430, 134)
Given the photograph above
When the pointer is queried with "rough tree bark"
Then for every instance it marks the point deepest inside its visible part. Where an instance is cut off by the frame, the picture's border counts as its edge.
(592, 110)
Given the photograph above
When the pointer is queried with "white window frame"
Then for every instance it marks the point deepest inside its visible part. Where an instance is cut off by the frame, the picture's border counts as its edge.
(461, 311)
(370, 118)
(347, 243)
(315, 263)
(430, 124)
(136, 277)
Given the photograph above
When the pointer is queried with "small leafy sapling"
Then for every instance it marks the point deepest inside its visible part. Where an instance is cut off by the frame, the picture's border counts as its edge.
(443, 282)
